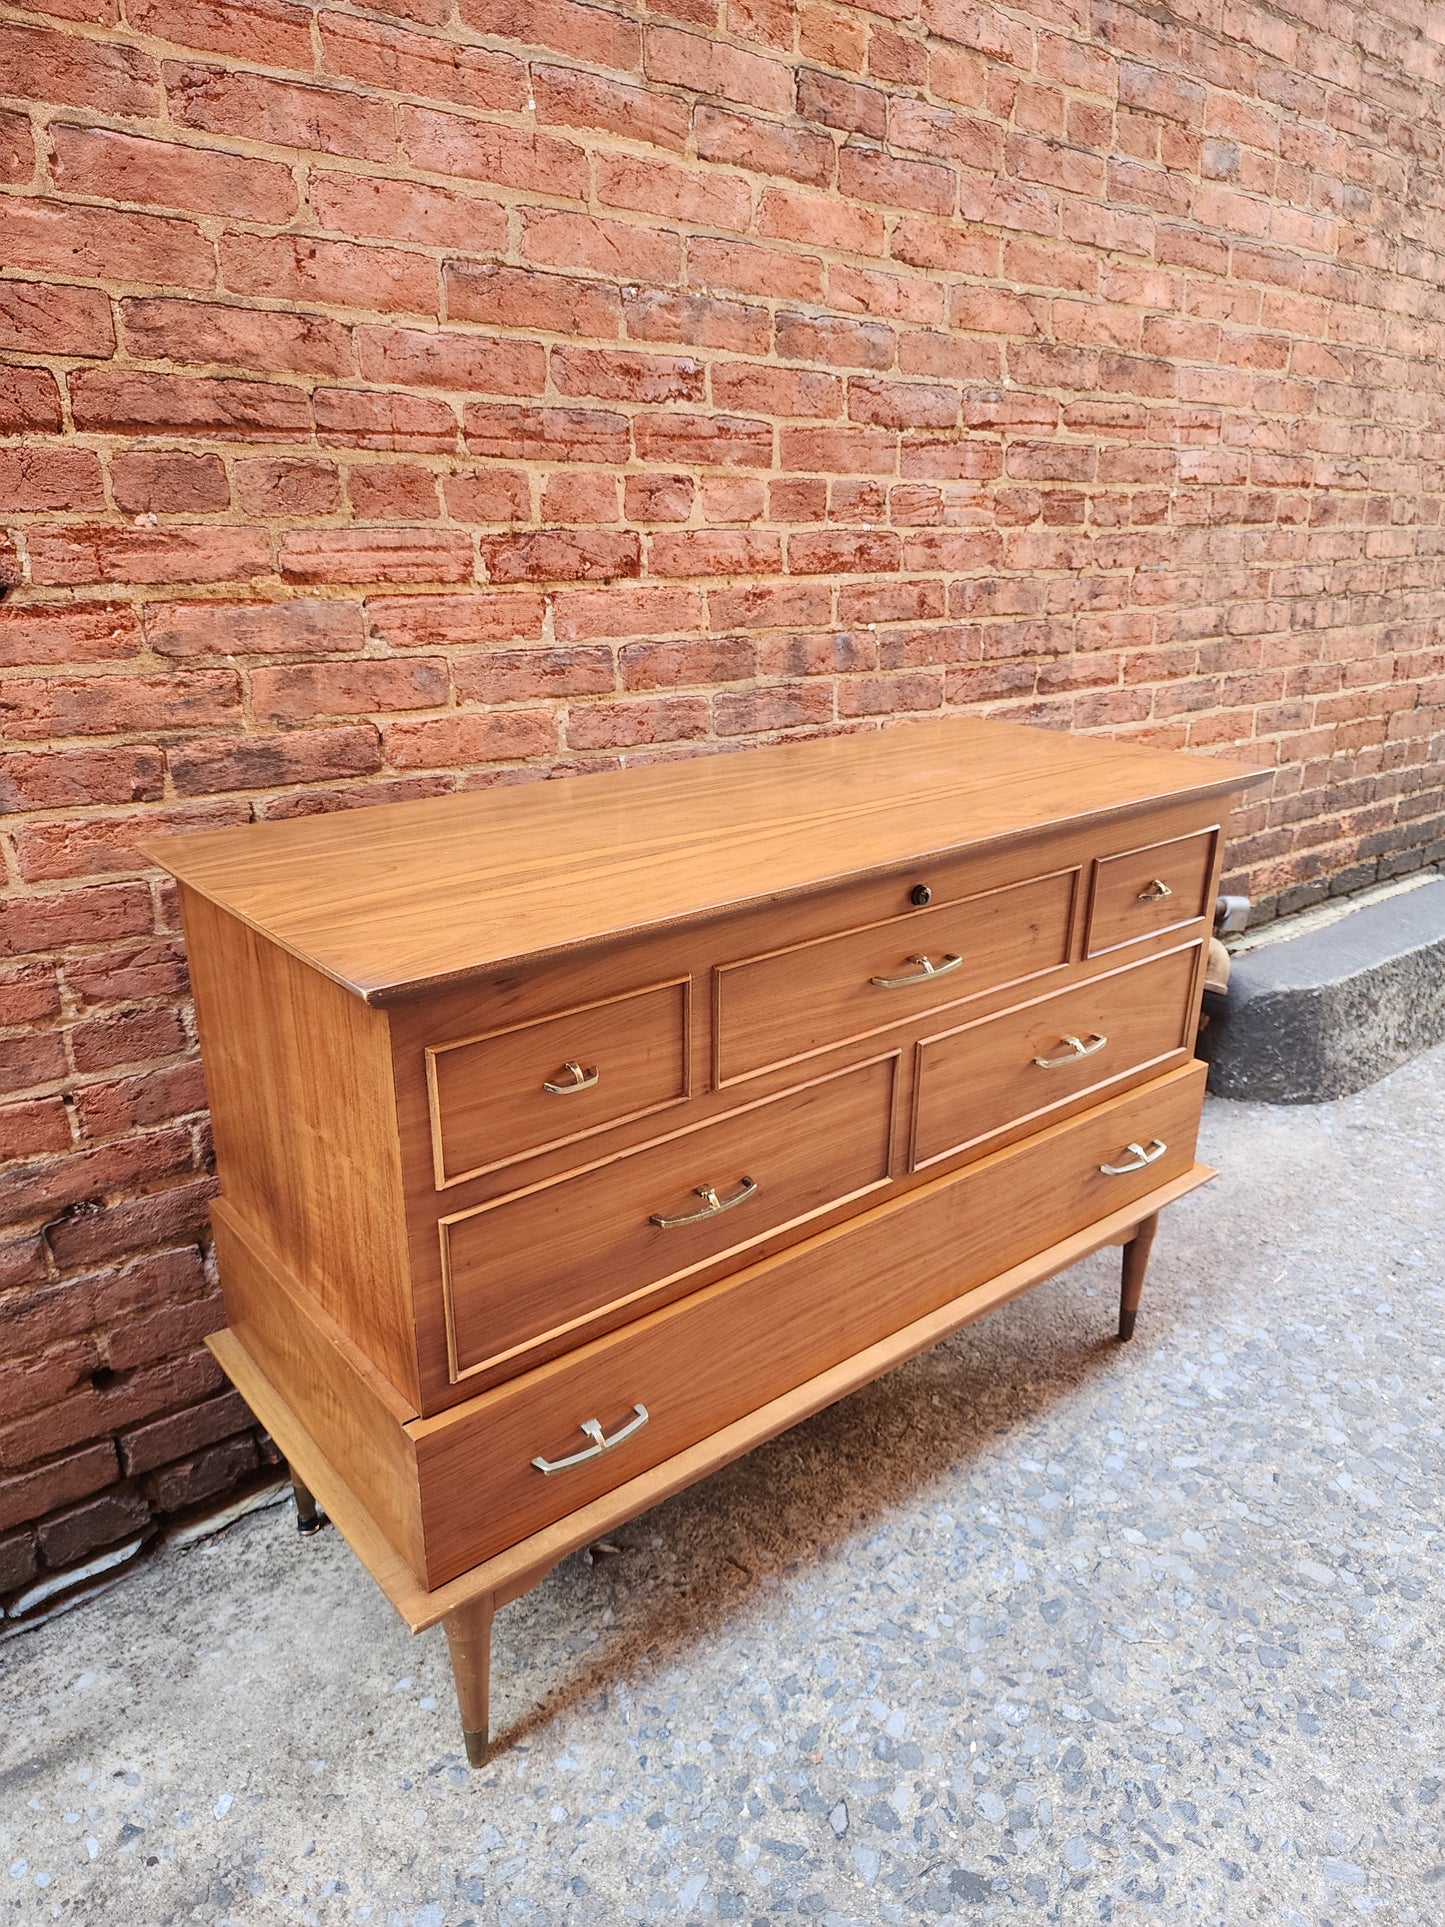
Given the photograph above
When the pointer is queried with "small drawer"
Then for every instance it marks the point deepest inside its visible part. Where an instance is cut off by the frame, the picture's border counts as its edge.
(1025, 1063)
(548, 1260)
(695, 1366)
(1140, 892)
(507, 1093)
(775, 1008)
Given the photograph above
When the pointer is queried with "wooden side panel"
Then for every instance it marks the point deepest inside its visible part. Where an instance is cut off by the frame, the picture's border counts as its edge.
(699, 1365)
(299, 1077)
(349, 1416)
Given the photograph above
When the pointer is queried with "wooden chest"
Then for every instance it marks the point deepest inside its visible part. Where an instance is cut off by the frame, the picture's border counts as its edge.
(574, 1135)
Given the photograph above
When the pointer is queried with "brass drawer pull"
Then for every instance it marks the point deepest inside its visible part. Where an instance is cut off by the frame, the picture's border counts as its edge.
(600, 1442)
(580, 1080)
(926, 970)
(1077, 1049)
(1155, 891)
(1157, 1148)
(712, 1204)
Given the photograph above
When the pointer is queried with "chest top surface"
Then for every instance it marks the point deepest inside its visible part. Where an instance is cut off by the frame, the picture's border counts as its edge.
(408, 896)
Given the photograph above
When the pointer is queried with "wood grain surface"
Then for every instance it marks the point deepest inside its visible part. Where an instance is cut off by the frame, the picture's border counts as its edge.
(393, 899)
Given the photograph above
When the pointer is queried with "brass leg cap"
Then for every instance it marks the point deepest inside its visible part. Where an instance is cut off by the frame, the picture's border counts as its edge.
(477, 1749)
(1126, 1324)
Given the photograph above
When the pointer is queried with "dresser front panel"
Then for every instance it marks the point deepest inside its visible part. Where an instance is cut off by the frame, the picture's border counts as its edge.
(497, 1098)
(546, 1262)
(702, 1362)
(985, 1077)
(1144, 891)
(775, 1009)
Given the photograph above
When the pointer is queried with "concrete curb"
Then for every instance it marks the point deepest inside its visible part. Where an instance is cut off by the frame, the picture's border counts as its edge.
(1325, 1013)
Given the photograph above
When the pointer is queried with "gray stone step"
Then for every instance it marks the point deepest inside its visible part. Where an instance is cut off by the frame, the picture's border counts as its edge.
(1322, 1014)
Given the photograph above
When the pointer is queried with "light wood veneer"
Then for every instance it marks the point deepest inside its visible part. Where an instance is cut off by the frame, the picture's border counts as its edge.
(575, 1136)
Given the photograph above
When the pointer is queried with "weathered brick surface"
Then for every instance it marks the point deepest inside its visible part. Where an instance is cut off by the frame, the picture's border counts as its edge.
(394, 398)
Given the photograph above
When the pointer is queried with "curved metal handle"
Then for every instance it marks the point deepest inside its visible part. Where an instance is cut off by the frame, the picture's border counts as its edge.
(600, 1442)
(1077, 1049)
(712, 1204)
(581, 1080)
(1157, 1148)
(1155, 891)
(926, 970)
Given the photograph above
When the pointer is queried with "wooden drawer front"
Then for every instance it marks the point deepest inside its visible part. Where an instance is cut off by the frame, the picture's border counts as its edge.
(772, 1009)
(1140, 892)
(982, 1077)
(697, 1365)
(539, 1262)
(489, 1098)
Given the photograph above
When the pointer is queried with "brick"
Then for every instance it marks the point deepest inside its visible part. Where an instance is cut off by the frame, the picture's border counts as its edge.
(17, 150)
(87, 847)
(148, 1097)
(673, 665)
(307, 690)
(486, 495)
(392, 491)
(703, 198)
(464, 740)
(159, 328)
(41, 1190)
(108, 705)
(31, 1060)
(376, 555)
(222, 407)
(29, 402)
(452, 359)
(842, 103)
(568, 97)
(56, 237)
(488, 151)
(166, 482)
(123, 167)
(68, 1537)
(401, 61)
(506, 433)
(639, 252)
(274, 33)
(78, 553)
(714, 440)
(46, 319)
(163, 1439)
(763, 147)
(869, 175)
(777, 391)
(514, 298)
(361, 418)
(714, 552)
(180, 1210)
(536, 675)
(258, 760)
(301, 626)
(597, 35)
(749, 269)
(702, 320)
(581, 613)
(71, 779)
(119, 975)
(561, 555)
(43, 63)
(345, 274)
(33, 1126)
(28, 994)
(31, 1493)
(49, 478)
(658, 498)
(625, 725)
(98, 915)
(780, 706)
(133, 1035)
(17, 1560)
(192, 1481)
(841, 552)
(285, 487)
(434, 621)
(368, 205)
(283, 113)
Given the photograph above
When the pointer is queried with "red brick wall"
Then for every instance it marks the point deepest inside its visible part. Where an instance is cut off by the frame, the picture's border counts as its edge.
(431, 394)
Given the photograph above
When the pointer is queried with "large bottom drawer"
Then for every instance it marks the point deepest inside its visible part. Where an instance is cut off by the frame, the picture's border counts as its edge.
(707, 1360)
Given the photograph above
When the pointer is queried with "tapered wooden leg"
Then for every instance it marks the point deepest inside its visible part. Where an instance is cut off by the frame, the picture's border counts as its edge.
(1136, 1263)
(469, 1636)
(308, 1514)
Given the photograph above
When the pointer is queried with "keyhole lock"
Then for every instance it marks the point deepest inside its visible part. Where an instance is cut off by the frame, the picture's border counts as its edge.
(920, 894)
